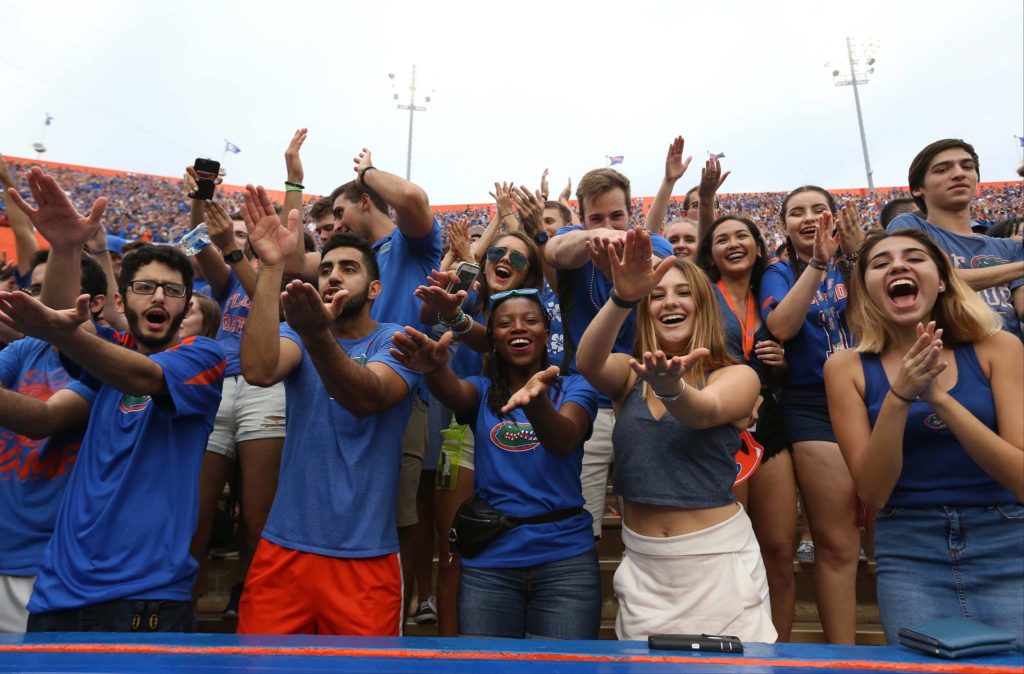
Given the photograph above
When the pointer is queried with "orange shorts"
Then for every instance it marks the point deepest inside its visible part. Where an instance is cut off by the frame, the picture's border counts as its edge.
(293, 592)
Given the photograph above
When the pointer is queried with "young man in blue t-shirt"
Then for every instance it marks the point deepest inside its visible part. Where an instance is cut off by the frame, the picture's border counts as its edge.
(328, 562)
(119, 558)
(943, 179)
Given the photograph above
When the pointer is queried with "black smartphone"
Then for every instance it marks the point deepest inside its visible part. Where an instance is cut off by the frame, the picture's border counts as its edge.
(207, 171)
(467, 272)
(714, 643)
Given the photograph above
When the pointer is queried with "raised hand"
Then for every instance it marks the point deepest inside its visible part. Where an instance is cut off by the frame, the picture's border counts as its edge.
(272, 242)
(675, 165)
(458, 239)
(920, 365)
(219, 227)
(56, 218)
(292, 161)
(418, 352)
(190, 183)
(711, 179)
(662, 373)
(306, 311)
(6, 180)
(362, 161)
(851, 233)
(770, 353)
(825, 242)
(544, 185)
(502, 196)
(632, 274)
(531, 209)
(566, 192)
(28, 315)
(536, 388)
(436, 298)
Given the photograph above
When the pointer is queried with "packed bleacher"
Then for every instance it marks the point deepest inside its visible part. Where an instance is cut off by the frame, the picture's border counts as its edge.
(605, 416)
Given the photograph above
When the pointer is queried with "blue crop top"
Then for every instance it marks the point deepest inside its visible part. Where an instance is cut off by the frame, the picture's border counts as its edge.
(937, 470)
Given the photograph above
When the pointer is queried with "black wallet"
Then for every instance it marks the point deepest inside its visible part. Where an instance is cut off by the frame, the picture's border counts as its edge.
(955, 638)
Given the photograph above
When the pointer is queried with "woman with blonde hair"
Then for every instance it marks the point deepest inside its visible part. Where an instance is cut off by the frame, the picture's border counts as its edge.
(927, 414)
(680, 402)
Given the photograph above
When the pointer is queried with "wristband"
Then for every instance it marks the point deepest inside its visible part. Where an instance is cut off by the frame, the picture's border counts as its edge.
(815, 264)
(668, 399)
(297, 186)
(362, 174)
(100, 251)
(906, 400)
(505, 215)
(292, 188)
(619, 302)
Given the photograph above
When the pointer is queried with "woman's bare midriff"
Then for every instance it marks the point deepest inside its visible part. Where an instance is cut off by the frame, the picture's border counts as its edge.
(666, 521)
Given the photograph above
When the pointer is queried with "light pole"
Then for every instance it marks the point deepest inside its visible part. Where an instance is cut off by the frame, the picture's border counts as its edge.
(860, 69)
(413, 109)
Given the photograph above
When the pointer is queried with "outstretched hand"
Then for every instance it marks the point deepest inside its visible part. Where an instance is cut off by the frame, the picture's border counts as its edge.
(531, 209)
(292, 160)
(536, 388)
(418, 352)
(632, 274)
(362, 161)
(675, 165)
(435, 296)
(57, 219)
(306, 311)
(272, 242)
(26, 314)
(663, 374)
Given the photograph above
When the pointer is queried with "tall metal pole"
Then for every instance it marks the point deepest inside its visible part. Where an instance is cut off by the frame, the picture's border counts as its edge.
(413, 109)
(860, 117)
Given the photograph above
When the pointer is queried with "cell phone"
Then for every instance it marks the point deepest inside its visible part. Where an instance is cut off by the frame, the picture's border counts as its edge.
(467, 272)
(714, 643)
(207, 171)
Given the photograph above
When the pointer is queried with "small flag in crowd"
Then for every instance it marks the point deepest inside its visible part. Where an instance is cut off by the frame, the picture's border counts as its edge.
(48, 119)
(720, 155)
(231, 147)
(617, 159)
(1020, 139)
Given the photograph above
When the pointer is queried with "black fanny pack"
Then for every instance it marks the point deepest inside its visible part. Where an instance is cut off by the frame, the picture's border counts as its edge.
(477, 523)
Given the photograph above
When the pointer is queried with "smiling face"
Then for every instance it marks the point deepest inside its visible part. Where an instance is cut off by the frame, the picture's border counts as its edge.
(501, 274)
(733, 248)
(154, 319)
(803, 213)
(519, 335)
(673, 310)
(902, 280)
(682, 234)
(950, 181)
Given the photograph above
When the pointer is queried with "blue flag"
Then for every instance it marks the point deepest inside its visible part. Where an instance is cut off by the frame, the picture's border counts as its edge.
(1020, 139)
(617, 159)
(720, 155)
(231, 147)
(48, 119)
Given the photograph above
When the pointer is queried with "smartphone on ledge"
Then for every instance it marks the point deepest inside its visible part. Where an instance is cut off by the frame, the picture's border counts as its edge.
(713, 643)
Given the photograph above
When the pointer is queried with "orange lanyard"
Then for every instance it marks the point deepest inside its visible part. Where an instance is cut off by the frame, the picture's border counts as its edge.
(748, 325)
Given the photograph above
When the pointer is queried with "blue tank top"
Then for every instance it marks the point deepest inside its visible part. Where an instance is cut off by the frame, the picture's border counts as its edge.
(662, 462)
(937, 470)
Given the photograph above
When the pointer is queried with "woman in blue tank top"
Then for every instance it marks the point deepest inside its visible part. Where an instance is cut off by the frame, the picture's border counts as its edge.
(692, 563)
(928, 417)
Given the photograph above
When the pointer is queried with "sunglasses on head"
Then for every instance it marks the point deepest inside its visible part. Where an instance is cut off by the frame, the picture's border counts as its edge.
(515, 258)
(498, 298)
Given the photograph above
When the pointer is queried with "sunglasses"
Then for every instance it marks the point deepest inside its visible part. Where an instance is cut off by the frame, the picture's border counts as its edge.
(515, 258)
(531, 293)
(149, 287)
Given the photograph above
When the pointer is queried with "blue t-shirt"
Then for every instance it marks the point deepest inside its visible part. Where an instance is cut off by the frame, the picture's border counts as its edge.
(824, 331)
(520, 478)
(234, 311)
(33, 472)
(582, 292)
(129, 511)
(975, 251)
(404, 264)
(338, 487)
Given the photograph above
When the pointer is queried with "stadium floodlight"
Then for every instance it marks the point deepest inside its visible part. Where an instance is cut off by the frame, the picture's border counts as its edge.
(413, 109)
(857, 56)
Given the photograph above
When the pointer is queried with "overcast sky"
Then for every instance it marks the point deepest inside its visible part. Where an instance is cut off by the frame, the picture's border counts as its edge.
(515, 87)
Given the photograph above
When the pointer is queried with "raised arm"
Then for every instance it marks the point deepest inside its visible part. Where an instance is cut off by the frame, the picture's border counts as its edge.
(563, 198)
(711, 179)
(987, 277)
(296, 265)
(560, 431)
(418, 352)
(25, 244)
(675, 167)
(39, 419)
(222, 234)
(98, 249)
(787, 319)
(415, 218)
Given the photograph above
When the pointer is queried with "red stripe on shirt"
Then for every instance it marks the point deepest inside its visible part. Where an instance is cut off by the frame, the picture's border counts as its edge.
(209, 376)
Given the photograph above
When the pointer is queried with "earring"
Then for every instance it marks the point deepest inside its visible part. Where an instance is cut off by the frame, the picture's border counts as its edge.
(942, 287)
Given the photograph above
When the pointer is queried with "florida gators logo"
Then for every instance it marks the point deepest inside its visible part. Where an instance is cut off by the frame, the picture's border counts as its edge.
(933, 422)
(131, 404)
(983, 261)
(513, 436)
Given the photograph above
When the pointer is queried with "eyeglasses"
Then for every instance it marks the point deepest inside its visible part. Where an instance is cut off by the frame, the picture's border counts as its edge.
(530, 293)
(515, 258)
(149, 287)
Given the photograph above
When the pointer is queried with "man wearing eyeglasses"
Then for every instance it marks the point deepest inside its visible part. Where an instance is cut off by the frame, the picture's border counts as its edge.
(119, 558)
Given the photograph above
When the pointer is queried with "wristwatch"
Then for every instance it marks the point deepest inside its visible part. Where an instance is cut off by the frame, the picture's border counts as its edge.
(234, 256)
(541, 237)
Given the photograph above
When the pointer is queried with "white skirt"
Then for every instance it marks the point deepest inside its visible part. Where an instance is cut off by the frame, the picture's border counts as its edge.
(707, 582)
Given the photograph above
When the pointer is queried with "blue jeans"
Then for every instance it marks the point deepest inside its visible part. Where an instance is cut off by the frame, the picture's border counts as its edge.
(944, 562)
(557, 600)
(124, 615)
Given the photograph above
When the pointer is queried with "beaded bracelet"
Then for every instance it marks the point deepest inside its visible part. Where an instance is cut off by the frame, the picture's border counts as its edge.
(815, 264)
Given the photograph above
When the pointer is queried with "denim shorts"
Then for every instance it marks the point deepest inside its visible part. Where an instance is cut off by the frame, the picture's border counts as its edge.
(805, 414)
(556, 600)
(951, 561)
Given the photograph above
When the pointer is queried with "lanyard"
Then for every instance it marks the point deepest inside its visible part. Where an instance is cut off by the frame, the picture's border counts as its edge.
(748, 325)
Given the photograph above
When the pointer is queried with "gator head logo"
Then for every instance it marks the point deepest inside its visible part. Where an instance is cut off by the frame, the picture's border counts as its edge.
(983, 261)
(933, 422)
(360, 359)
(513, 436)
(131, 404)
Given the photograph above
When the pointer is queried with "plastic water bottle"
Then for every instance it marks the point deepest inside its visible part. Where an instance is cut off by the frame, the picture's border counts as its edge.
(192, 242)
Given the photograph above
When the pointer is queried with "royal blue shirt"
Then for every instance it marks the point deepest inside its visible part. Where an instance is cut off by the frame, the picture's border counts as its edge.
(519, 477)
(234, 312)
(129, 511)
(338, 486)
(404, 263)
